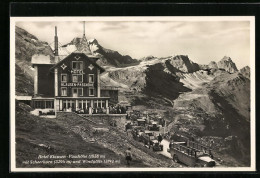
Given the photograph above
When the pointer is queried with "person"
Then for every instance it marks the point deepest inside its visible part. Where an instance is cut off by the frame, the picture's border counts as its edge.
(128, 155)
(159, 138)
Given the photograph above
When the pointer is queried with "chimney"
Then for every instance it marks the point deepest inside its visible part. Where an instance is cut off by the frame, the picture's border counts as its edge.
(56, 53)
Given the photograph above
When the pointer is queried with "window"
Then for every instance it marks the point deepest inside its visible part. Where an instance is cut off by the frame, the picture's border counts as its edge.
(77, 92)
(91, 91)
(77, 65)
(77, 78)
(63, 77)
(63, 91)
(91, 78)
(37, 104)
(80, 91)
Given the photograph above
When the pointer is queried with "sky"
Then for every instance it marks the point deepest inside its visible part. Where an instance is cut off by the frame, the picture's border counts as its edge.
(202, 41)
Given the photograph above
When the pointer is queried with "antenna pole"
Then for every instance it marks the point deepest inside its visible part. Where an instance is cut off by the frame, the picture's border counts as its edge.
(84, 28)
(56, 43)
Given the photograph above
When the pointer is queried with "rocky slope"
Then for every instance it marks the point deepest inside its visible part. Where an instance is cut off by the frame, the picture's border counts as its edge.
(26, 45)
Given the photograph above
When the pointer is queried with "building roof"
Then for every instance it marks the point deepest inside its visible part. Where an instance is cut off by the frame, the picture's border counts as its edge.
(91, 58)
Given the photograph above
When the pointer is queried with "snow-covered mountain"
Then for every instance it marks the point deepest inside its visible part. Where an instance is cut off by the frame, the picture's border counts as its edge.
(92, 47)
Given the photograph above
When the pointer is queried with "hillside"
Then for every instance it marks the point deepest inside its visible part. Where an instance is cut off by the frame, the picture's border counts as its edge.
(71, 134)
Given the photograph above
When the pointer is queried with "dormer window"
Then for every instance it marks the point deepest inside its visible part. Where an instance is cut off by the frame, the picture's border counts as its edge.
(77, 65)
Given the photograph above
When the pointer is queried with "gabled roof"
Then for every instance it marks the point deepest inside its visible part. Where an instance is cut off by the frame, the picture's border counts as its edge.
(91, 58)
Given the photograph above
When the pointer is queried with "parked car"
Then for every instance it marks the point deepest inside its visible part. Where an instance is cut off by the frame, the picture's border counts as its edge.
(147, 137)
(141, 122)
(137, 131)
(156, 145)
(154, 127)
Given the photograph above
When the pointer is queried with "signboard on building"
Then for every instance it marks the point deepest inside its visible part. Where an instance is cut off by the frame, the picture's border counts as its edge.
(77, 84)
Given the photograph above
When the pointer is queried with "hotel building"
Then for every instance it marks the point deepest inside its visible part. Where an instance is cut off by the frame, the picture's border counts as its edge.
(70, 83)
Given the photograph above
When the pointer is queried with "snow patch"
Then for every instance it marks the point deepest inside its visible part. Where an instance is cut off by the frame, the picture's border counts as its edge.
(106, 79)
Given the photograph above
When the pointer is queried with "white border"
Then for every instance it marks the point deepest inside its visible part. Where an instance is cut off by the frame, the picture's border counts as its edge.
(13, 20)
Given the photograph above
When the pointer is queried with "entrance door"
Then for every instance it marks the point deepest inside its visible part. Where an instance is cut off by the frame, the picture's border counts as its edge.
(75, 92)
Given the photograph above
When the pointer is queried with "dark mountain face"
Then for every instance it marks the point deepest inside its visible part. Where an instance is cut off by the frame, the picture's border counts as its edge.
(160, 83)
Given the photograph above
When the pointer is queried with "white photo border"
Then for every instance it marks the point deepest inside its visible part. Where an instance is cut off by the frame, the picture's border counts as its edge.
(13, 21)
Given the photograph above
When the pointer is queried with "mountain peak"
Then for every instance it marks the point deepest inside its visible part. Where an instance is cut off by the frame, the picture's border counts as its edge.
(245, 71)
(147, 58)
(227, 64)
(93, 40)
(92, 47)
(226, 58)
(81, 45)
(184, 64)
